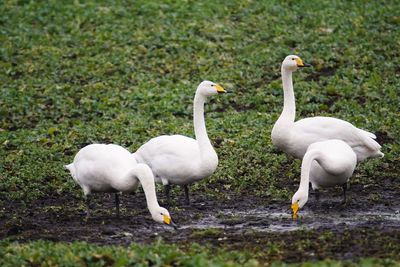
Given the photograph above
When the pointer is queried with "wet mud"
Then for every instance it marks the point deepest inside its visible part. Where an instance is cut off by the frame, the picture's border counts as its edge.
(367, 226)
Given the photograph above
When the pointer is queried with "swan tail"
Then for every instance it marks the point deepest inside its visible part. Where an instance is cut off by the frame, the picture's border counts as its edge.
(371, 135)
(72, 170)
(368, 140)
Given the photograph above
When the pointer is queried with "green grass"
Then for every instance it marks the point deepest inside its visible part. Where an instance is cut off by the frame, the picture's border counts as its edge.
(82, 254)
(125, 71)
(79, 73)
(45, 253)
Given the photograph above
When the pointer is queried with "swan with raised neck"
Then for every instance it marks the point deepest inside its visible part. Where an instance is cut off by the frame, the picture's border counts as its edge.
(181, 160)
(295, 137)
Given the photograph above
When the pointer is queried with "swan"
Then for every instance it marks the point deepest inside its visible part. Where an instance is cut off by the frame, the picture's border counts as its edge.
(295, 137)
(325, 164)
(111, 168)
(181, 160)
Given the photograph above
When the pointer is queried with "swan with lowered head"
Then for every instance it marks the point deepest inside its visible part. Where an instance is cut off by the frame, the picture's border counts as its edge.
(325, 164)
(111, 168)
(295, 137)
(181, 160)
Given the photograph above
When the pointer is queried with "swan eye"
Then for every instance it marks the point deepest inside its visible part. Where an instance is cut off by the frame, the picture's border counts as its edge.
(293, 58)
(212, 85)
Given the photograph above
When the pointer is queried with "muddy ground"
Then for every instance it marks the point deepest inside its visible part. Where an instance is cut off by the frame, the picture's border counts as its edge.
(367, 226)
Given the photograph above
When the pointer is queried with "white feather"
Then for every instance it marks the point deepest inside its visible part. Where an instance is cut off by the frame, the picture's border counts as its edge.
(295, 137)
(178, 159)
(112, 168)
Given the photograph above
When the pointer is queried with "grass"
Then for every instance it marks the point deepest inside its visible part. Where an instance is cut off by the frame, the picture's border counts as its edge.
(82, 254)
(122, 72)
(79, 73)
(45, 253)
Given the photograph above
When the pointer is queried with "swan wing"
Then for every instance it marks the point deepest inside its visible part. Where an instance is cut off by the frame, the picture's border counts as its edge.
(105, 155)
(170, 156)
(178, 146)
(101, 165)
(315, 129)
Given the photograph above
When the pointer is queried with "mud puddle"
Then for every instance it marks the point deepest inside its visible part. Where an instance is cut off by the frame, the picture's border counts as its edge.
(365, 227)
(263, 220)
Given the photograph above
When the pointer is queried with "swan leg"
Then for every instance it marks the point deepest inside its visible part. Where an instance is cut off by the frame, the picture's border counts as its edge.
(87, 202)
(317, 195)
(316, 192)
(117, 203)
(344, 186)
(167, 193)
(186, 189)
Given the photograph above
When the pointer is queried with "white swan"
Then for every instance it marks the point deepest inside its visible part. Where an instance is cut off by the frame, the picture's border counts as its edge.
(295, 137)
(181, 160)
(325, 164)
(112, 168)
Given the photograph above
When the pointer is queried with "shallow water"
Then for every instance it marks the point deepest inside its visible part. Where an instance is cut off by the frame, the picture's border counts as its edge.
(243, 223)
(263, 220)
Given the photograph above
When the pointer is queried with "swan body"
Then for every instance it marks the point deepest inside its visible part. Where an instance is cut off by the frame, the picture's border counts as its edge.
(111, 168)
(325, 164)
(176, 159)
(295, 137)
(181, 160)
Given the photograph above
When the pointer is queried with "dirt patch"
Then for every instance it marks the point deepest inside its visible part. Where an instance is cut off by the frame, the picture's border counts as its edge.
(323, 72)
(368, 226)
(383, 137)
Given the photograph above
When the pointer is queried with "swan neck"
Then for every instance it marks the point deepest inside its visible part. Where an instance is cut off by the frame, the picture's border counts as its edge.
(306, 166)
(199, 124)
(289, 106)
(304, 181)
(146, 178)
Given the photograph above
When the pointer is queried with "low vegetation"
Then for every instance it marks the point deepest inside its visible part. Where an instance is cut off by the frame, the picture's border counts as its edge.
(81, 72)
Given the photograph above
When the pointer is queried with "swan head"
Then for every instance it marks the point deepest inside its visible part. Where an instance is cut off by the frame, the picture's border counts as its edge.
(293, 63)
(161, 215)
(299, 199)
(208, 88)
